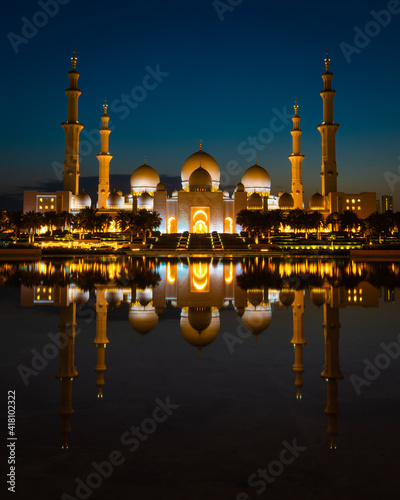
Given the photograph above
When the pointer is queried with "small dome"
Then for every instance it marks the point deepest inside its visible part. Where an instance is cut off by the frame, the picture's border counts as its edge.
(80, 296)
(226, 194)
(120, 193)
(145, 201)
(200, 326)
(174, 193)
(160, 187)
(114, 298)
(317, 202)
(317, 296)
(240, 187)
(83, 200)
(114, 200)
(286, 297)
(143, 320)
(144, 178)
(257, 319)
(200, 180)
(286, 201)
(205, 160)
(254, 202)
(257, 179)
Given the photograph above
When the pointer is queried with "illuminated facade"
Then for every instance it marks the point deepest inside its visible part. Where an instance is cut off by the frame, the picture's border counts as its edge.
(200, 206)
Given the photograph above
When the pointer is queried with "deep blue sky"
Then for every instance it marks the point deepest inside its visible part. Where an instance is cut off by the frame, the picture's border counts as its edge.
(225, 79)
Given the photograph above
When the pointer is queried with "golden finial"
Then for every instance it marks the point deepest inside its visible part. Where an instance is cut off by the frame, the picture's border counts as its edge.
(73, 60)
(255, 160)
(105, 105)
(327, 61)
(201, 146)
(295, 107)
(145, 160)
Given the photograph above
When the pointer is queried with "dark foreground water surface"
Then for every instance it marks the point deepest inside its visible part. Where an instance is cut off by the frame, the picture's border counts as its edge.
(202, 379)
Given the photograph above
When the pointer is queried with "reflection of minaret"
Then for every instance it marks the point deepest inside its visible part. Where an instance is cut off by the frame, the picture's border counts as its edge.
(101, 339)
(331, 372)
(328, 129)
(298, 339)
(72, 129)
(296, 159)
(66, 371)
(104, 161)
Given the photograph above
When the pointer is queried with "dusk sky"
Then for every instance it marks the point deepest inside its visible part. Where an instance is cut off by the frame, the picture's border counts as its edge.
(224, 75)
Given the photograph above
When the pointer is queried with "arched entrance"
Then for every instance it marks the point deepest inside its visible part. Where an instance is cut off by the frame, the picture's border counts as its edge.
(171, 225)
(200, 219)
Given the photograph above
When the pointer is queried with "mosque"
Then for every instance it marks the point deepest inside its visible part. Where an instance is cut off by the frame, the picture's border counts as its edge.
(200, 206)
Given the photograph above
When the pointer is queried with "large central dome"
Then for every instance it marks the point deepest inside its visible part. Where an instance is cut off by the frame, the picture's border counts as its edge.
(204, 160)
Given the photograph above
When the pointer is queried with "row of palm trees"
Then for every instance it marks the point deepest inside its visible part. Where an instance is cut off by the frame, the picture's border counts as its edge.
(138, 223)
(258, 223)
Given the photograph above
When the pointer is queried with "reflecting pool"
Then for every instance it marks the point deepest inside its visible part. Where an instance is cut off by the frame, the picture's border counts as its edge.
(203, 378)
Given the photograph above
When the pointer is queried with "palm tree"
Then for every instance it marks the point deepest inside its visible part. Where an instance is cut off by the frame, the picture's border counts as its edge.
(334, 220)
(3, 219)
(79, 222)
(32, 221)
(103, 221)
(294, 219)
(125, 222)
(145, 221)
(65, 218)
(15, 222)
(51, 219)
(245, 219)
(349, 220)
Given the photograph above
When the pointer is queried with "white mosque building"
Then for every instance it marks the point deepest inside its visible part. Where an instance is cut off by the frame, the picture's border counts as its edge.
(200, 205)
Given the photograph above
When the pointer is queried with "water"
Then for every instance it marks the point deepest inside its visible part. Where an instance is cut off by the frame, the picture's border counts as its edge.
(219, 379)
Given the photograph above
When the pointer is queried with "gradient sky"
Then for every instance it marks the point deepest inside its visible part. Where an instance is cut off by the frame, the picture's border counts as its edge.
(225, 79)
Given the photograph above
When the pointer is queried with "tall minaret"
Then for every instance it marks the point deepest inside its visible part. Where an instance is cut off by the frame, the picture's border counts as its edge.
(67, 371)
(298, 340)
(296, 159)
(328, 129)
(104, 161)
(72, 129)
(331, 372)
(101, 339)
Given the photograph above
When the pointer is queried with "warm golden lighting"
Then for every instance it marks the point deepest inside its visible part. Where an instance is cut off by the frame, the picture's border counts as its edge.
(170, 278)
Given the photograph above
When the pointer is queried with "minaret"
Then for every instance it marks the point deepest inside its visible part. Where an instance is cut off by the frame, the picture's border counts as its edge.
(101, 339)
(72, 129)
(66, 370)
(331, 372)
(104, 161)
(298, 339)
(296, 159)
(328, 129)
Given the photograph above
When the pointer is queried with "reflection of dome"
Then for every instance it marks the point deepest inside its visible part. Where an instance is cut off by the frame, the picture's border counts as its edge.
(255, 297)
(200, 180)
(174, 193)
(144, 178)
(144, 297)
(286, 201)
(317, 296)
(254, 202)
(145, 201)
(83, 200)
(199, 325)
(80, 296)
(257, 179)
(114, 298)
(317, 202)
(160, 187)
(114, 200)
(257, 319)
(143, 320)
(225, 194)
(205, 160)
(286, 297)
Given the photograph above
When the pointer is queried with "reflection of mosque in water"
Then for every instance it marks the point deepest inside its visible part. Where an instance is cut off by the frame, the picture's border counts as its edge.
(200, 289)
